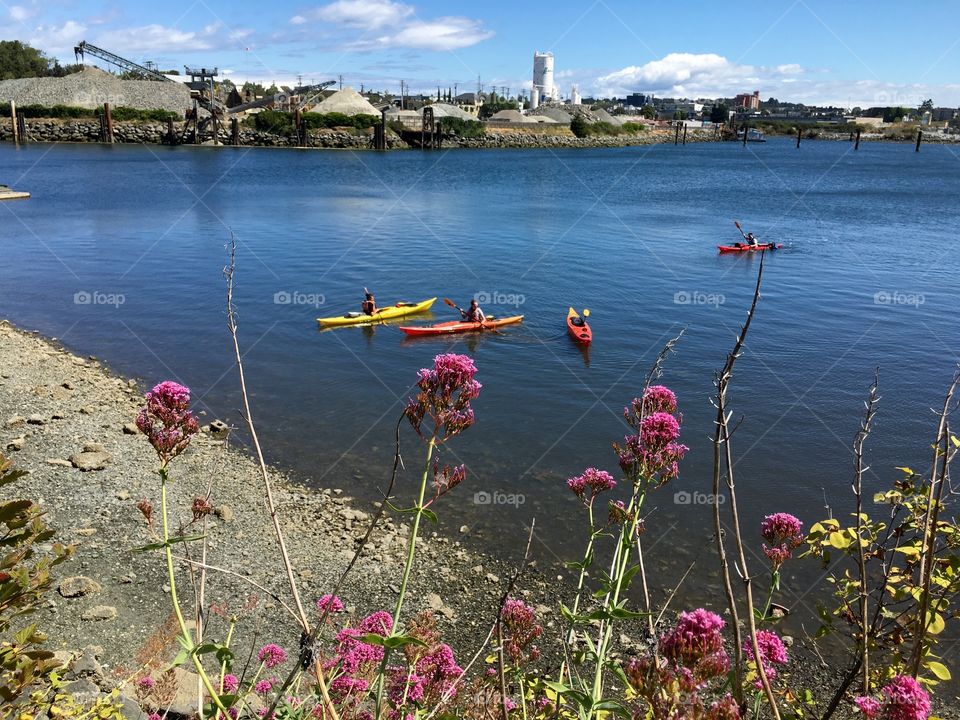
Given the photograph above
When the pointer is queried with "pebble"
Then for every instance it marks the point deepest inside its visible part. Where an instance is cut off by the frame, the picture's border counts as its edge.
(17, 443)
(99, 612)
(86, 410)
(130, 429)
(60, 462)
(77, 586)
(93, 457)
(16, 420)
(37, 420)
(224, 512)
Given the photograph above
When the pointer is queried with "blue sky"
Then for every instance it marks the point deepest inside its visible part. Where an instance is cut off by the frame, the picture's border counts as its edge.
(818, 52)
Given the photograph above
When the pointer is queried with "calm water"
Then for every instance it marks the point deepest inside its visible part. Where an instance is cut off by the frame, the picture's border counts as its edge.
(629, 233)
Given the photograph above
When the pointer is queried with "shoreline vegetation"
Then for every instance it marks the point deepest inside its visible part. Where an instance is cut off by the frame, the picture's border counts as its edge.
(236, 569)
(148, 127)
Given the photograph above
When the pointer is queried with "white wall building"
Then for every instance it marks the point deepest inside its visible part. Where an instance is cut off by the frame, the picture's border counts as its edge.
(575, 98)
(543, 88)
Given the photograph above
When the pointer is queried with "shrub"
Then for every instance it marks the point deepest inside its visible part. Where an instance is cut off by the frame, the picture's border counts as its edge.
(463, 128)
(580, 127)
(24, 580)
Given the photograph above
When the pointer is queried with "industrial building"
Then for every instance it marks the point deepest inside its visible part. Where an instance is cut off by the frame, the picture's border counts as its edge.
(544, 89)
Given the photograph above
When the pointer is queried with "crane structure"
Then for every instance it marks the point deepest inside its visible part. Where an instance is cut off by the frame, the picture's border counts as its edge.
(202, 83)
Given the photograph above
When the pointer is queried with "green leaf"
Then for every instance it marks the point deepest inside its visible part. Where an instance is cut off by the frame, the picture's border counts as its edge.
(391, 642)
(169, 543)
(430, 515)
(938, 669)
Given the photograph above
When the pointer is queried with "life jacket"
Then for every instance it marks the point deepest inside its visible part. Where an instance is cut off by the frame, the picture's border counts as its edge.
(368, 307)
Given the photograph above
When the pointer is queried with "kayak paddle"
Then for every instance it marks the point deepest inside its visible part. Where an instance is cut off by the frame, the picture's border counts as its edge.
(452, 304)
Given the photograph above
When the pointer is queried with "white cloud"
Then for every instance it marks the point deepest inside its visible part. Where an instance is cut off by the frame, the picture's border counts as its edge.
(710, 75)
(56, 39)
(364, 14)
(18, 13)
(382, 24)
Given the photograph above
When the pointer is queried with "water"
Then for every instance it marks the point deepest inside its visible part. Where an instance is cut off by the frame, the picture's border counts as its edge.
(629, 233)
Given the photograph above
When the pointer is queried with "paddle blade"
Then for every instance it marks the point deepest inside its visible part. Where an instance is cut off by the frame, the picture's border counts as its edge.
(737, 224)
(586, 312)
(449, 302)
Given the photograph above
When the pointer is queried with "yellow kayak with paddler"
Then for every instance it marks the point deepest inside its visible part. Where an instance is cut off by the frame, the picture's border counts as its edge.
(401, 309)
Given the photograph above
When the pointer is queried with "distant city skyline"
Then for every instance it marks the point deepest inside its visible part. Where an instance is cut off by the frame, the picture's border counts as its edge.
(815, 52)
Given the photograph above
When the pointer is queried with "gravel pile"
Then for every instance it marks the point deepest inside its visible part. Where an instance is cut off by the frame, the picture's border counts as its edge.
(91, 88)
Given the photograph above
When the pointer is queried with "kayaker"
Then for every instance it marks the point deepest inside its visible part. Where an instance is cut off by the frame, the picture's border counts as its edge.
(369, 304)
(752, 240)
(473, 313)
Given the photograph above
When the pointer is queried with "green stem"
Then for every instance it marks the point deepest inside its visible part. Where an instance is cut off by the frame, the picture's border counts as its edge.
(623, 556)
(774, 586)
(571, 632)
(223, 665)
(171, 577)
(407, 568)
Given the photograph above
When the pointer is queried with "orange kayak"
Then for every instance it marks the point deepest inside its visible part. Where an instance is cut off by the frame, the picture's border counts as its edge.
(578, 328)
(460, 326)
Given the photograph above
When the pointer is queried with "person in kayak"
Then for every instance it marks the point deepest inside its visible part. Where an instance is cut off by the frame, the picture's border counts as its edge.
(369, 304)
(752, 240)
(473, 313)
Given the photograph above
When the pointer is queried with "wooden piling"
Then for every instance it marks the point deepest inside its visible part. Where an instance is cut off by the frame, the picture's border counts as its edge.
(107, 124)
(171, 137)
(22, 128)
(746, 131)
(676, 135)
(13, 122)
(856, 144)
(684, 133)
(235, 131)
(919, 138)
(799, 135)
(297, 126)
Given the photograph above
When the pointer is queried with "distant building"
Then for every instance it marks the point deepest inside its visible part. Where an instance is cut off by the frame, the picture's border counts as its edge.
(575, 98)
(748, 102)
(543, 88)
(638, 100)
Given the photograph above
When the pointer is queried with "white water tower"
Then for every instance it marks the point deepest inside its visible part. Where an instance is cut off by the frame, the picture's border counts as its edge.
(543, 76)
(575, 98)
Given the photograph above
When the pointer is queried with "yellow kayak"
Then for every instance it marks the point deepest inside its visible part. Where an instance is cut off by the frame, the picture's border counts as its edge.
(386, 313)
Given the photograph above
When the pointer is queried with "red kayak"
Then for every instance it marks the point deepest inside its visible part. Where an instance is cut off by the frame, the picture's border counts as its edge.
(578, 328)
(744, 247)
(459, 326)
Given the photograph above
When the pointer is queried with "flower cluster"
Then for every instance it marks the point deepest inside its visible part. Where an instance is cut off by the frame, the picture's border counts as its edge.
(447, 478)
(772, 652)
(166, 420)
(696, 643)
(272, 655)
(446, 390)
(784, 533)
(433, 678)
(590, 484)
(674, 681)
(652, 452)
(520, 628)
(901, 699)
(230, 683)
(617, 513)
(201, 507)
(355, 661)
(329, 604)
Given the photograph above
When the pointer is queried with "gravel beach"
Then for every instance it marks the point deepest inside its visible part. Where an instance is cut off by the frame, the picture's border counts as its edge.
(54, 404)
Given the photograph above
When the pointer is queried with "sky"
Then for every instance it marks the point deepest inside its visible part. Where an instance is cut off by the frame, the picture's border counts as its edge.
(838, 52)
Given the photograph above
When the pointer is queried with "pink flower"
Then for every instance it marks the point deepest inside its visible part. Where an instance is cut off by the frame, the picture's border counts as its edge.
(263, 687)
(447, 478)
(272, 655)
(445, 394)
(145, 683)
(784, 532)
(659, 429)
(696, 642)
(330, 604)
(230, 683)
(659, 398)
(592, 482)
(870, 707)
(772, 651)
(905, 699)
(520, 627)
(724, 709)
(154, 716)
(166, 420)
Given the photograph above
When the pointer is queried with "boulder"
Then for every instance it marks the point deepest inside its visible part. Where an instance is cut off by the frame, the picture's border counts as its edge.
(99, 612)
(93, 457)
(78, 585)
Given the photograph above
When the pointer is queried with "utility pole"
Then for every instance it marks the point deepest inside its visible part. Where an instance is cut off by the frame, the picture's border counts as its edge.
(341, 81)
